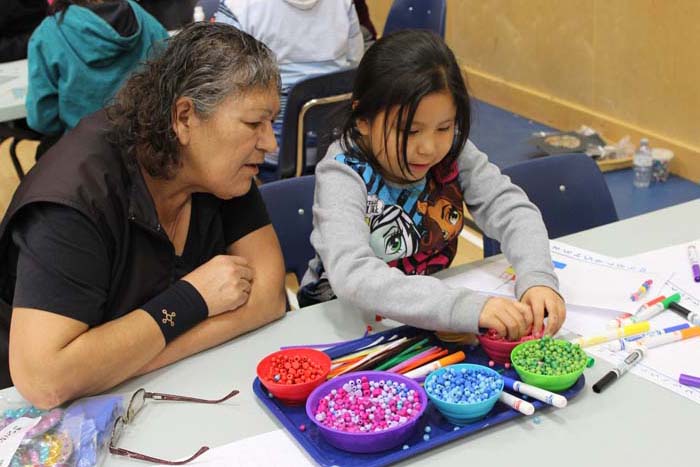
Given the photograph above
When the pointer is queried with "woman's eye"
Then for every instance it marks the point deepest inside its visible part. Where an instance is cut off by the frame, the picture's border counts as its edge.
(253, 124)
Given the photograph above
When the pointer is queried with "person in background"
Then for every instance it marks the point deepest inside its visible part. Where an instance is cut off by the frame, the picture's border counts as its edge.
(18, 20)
(172, 14)
(309, 37)
(139, 238)
(80, 55)
(369, 33)
(389, 203)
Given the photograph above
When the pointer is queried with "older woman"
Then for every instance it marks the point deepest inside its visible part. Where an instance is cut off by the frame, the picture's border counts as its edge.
(139, 239)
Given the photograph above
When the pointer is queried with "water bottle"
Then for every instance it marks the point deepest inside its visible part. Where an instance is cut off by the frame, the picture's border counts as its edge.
(643, 162)
(198, 14)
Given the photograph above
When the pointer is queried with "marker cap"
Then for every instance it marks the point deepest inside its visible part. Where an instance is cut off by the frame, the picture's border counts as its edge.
(676, 297)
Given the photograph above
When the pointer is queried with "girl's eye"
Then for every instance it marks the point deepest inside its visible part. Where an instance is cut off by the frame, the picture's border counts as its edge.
(444, 129)
(454, 216)
(393, 242)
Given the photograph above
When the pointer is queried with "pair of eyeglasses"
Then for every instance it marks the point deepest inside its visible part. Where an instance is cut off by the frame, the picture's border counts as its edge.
(135, 405)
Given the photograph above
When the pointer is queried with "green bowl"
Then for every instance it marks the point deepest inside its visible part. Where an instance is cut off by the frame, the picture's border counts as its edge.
(550, 382)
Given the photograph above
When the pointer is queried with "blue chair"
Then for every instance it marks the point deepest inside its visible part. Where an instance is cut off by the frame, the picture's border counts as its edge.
(569, 190)
(313, 107)
(289, 204)
(417, 14)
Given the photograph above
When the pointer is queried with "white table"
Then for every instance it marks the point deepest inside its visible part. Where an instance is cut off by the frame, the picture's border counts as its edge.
(633, 423)
(13, 90)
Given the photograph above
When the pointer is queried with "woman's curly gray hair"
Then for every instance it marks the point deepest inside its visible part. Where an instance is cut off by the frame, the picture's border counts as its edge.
(204, 62)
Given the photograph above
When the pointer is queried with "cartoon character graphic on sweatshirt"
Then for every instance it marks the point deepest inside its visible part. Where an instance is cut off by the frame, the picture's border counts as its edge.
(413, 227)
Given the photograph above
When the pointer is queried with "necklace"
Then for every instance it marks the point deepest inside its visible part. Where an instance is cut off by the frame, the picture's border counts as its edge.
(172, 231)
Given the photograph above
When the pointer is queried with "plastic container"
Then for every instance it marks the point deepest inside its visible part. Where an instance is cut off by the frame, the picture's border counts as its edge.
(662, 161)
(643, 163)
(366, 442)
(463, 414)
(294, 394)
(549, 382)
(499, 350)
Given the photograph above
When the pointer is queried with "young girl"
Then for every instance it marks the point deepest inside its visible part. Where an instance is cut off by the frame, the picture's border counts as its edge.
(389, 202)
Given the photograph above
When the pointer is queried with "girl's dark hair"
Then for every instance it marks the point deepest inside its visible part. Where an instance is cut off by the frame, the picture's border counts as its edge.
(399, 70)
(205, 62)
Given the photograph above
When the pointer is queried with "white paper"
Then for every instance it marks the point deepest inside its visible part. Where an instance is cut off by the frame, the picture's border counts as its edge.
(662, 365)
(273, 448)
(585, 278)
(12, 435)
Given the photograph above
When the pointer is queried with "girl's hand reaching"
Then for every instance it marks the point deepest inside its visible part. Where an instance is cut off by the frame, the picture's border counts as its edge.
(510, 318)
(543, 299)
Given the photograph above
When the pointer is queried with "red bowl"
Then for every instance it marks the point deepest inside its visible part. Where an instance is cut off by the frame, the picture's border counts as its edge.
(499, 350)
(294, 394)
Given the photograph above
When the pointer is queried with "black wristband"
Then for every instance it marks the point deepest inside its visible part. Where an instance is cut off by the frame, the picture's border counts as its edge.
(177, 309)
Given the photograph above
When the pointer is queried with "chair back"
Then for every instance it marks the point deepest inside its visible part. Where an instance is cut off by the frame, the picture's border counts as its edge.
(568, 189)
(289, 204)
(314, 106)
(417, 14)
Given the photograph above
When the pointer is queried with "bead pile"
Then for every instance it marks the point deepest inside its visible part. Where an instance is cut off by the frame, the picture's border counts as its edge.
(43, 445)
(286, 369)
(361, 406)
(550, 357)
(464, 386)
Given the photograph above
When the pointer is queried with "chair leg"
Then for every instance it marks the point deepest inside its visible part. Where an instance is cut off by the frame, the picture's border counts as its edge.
(15, 158)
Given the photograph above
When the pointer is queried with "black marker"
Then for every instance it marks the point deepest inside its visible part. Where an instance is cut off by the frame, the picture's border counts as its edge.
(632, 359)
(680, 309)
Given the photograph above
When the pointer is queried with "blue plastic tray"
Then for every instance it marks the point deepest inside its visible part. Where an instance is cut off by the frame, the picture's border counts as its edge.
(441, 430)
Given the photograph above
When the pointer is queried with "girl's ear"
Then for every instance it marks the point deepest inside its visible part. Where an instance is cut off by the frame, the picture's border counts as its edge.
(363, 126)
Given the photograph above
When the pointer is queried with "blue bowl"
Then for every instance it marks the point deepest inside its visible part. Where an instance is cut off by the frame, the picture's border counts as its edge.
(463, 414)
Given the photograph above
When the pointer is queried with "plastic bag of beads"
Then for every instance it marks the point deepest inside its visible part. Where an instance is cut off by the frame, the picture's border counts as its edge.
(74, 436)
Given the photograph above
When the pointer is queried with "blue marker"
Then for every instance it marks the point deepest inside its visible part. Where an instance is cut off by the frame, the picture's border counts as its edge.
(622, 344)
(543, 395)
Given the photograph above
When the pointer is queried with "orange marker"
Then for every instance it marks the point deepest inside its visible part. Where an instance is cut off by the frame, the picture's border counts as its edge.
(439, 353)
(425, 369)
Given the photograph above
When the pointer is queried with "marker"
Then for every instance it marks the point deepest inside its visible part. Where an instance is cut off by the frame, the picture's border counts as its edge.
(683, 334)
(688, 380)
(616, 322)
(648, 313)
(630, 360)
(543, 395)
(612, 334)
(694, 265)
(425, 369)
(518, 404)
(622, 344)
(642, 290)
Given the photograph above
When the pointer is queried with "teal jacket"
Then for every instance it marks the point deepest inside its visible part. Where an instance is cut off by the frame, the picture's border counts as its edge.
(77, 62)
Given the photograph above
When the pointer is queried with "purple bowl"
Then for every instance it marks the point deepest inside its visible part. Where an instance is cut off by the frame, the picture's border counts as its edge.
(366, 442)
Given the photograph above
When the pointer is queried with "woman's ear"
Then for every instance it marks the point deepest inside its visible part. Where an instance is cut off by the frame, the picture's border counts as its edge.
(184, 118)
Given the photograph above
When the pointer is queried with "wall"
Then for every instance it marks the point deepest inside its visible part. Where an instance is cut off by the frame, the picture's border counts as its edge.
(624, 67)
